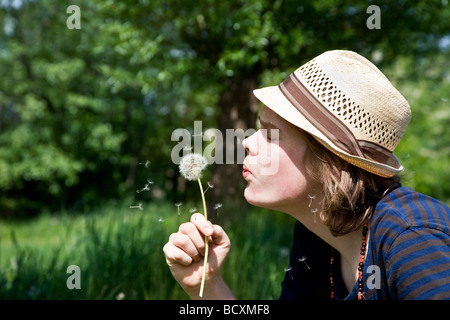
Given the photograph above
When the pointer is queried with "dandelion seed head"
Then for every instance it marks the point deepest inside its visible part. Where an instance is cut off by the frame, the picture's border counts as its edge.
(138, 206)
(311, 198)
(178, 205)
(288, 269)
(145, 188)
(192, 165)
(303, 259)
(146, 164)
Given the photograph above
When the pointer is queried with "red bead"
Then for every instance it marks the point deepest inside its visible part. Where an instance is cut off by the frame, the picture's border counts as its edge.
(360, 265)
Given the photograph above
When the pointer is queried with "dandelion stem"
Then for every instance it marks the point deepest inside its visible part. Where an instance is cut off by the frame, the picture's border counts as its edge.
(205, 262)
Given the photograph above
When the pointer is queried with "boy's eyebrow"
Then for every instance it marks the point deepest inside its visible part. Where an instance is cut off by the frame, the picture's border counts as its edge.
(267, 124)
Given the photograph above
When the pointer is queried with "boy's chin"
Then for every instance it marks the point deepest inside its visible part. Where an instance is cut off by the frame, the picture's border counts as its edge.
(258, 201)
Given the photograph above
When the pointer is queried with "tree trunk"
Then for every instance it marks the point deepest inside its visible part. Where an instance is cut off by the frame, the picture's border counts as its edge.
(239, 110)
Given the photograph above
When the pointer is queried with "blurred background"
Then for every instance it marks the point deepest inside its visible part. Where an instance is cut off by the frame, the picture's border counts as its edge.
(87, 115)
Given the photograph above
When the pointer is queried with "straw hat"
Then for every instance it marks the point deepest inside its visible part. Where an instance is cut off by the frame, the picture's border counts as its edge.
(348, 105)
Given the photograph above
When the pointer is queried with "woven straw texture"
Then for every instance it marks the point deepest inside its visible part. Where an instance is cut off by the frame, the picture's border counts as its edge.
(356, 96)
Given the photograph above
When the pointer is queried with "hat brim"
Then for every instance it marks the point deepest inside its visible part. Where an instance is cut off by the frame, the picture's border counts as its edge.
(274, 99)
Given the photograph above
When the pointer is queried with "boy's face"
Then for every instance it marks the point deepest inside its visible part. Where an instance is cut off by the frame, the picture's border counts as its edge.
(275, 165)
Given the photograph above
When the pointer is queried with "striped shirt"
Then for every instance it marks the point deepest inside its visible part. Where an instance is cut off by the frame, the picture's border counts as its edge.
(408, 255)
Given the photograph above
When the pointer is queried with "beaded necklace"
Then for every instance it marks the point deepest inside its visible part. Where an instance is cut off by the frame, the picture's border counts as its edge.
(360, 266)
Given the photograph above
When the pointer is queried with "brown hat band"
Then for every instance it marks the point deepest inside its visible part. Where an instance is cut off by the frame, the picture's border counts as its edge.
(327, 123)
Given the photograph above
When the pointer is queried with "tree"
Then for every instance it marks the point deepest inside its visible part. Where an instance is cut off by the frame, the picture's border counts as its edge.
(81, 108)
(241, 42)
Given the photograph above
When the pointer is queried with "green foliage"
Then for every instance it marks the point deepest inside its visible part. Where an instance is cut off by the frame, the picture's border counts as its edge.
(425, 149)
(80, 109)
(119, 252)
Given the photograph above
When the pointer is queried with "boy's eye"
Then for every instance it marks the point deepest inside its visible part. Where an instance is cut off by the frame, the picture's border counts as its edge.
(266, 133)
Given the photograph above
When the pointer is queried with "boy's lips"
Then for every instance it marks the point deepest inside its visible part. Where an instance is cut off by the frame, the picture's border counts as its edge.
(245, 171)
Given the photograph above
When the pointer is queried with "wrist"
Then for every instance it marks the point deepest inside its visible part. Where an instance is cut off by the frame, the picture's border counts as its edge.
(214, 290)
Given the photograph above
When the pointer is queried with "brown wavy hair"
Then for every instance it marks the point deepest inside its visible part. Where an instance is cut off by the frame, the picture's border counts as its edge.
(350, 193)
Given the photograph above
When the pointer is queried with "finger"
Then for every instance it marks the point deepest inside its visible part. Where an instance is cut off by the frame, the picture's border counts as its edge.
(184, 242)
(194, 234)
(219, 236)
(176, 255)
(202, 224)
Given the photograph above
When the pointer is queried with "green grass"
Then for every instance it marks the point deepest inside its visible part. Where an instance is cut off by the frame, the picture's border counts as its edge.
(119, 251)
